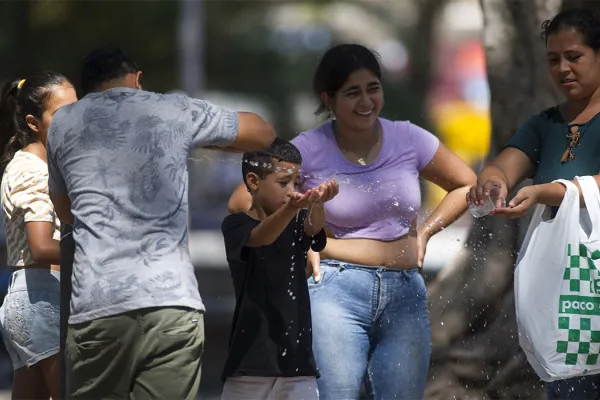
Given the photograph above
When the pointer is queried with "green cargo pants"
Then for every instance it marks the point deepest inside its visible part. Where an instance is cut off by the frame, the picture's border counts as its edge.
(152, 353)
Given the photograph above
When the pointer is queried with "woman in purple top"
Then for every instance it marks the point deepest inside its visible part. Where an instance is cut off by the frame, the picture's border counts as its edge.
(369, 302)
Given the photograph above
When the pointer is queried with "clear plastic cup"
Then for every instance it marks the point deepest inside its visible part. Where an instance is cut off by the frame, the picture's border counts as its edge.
(488, 205)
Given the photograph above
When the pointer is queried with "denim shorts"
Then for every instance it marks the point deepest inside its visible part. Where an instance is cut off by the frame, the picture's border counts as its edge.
(30, 316)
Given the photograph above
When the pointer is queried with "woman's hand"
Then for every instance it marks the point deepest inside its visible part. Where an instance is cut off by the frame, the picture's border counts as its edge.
(520, 204)
(422, 239)
(494, 186)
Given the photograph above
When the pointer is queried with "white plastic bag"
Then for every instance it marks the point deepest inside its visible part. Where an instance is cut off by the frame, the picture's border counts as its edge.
(557, 287)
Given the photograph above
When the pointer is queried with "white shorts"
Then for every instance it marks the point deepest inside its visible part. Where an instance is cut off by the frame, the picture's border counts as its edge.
(270, 388)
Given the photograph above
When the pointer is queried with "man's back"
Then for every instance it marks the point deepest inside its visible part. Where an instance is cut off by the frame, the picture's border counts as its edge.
(123, 156)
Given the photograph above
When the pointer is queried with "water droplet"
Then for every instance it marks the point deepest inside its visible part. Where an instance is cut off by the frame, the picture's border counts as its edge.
(395, 203)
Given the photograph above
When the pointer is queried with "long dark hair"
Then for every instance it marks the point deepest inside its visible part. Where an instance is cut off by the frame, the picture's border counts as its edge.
(18, 99)
(338, 64)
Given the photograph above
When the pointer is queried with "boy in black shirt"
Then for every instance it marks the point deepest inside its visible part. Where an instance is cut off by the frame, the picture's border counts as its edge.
(270, 348)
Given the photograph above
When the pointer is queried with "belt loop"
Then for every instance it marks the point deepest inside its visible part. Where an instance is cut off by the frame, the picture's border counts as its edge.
(11, 281)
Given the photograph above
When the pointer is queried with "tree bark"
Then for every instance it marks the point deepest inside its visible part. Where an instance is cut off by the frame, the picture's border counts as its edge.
(476, 354)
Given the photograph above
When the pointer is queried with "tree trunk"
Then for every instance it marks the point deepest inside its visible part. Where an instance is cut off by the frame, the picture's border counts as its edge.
(476, 354)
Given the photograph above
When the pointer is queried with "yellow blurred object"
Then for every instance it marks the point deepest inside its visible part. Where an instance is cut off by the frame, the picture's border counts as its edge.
(466, 131)
(463, 128)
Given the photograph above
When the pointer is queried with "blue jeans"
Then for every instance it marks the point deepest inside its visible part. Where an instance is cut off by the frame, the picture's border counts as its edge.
(370, 322)
(580, 388)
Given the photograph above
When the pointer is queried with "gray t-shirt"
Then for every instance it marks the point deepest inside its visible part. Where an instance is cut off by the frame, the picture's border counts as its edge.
(121, 156)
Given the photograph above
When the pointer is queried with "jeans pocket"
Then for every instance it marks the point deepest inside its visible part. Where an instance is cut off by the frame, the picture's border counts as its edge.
(311, 280)
(18, 319)
(45, 303)
(328, 274)
(417, 283)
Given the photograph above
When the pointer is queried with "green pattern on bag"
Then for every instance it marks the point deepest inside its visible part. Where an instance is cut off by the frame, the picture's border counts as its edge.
(579, 338)
(579, 268)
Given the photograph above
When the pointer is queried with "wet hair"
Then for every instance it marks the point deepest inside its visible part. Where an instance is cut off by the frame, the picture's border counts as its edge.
(103, 65)
(262, 162)
(16, 103)
(336, 66)
(585, 22)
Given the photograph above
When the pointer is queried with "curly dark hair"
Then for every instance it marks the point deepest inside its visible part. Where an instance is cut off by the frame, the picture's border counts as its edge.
(260, 162)
(585, 22)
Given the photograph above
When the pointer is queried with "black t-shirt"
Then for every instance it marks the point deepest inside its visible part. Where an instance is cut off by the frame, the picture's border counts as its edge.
(271, 334)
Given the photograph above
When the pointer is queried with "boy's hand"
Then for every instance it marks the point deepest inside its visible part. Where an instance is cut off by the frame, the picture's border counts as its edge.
(327, 190)
(299, 201)
(315, 196)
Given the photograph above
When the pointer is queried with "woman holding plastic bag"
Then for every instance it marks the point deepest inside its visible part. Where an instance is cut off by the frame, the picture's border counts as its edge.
(554, 147)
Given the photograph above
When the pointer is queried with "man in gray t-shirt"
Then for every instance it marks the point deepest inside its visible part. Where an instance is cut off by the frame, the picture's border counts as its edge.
(117, 164)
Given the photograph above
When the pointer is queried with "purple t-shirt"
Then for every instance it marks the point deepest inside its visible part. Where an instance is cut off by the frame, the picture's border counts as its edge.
(376, 201)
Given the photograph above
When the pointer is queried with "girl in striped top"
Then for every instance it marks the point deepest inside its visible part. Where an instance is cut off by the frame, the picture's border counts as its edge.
(30, 314)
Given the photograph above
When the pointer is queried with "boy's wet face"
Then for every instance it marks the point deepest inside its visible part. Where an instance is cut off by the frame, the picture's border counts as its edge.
(274, 190)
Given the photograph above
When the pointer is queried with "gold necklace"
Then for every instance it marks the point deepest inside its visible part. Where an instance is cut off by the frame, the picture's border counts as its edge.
(361, 160)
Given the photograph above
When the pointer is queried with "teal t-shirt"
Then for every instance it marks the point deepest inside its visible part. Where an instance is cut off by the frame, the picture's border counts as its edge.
(543, 137)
